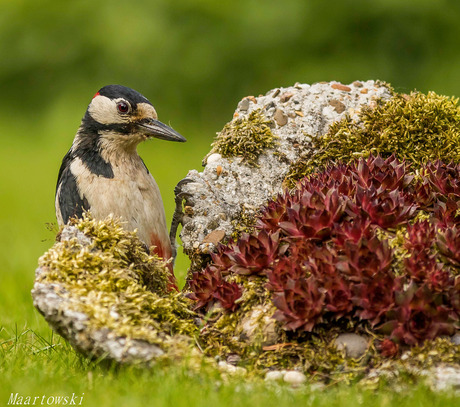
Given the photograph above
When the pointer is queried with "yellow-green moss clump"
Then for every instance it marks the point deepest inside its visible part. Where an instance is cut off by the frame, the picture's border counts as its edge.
(245, 137)
(416, 127)
(118, 285)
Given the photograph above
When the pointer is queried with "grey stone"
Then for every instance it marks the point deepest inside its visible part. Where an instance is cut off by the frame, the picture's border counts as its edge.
(245, 188)
(354, 345)
(244, 104)
(455, 339)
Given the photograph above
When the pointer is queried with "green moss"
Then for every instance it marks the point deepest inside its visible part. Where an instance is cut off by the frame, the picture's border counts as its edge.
(415, 127)
(396, 240)
(433, 353)
(118, 285)
(244, 223)
(224, 332)
(245, 137)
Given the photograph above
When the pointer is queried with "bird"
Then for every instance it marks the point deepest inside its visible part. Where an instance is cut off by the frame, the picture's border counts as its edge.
(102, 172)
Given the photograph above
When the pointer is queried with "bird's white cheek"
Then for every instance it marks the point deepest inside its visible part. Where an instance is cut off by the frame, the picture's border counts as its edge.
(104, 111)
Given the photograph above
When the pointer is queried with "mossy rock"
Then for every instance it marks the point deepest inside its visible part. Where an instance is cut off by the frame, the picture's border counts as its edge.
(100, 289)
(416, 127)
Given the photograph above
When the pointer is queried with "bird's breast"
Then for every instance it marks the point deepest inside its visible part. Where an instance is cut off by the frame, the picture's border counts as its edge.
(132, 194)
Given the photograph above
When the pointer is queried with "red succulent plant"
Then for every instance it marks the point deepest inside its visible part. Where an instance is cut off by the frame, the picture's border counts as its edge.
(251, 254)
(300, 304)
(388, 348)
(208, 286)
(322, 254)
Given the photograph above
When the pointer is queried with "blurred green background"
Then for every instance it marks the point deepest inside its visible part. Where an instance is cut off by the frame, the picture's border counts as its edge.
(194, 60)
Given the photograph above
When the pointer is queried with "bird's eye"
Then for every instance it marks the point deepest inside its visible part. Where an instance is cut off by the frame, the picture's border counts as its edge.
(122, 107)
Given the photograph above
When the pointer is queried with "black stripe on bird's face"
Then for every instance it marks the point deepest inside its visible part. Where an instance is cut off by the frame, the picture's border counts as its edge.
(87, 147)
(92, 127)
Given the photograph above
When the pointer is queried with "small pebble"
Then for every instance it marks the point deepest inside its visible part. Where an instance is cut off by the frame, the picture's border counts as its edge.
(280, 118)
(214, 237)
(226, 367)
(213, 158)
(455, 339)
(286, 96)
(341, 87)
(294, 377)
(233, 359)
(354, 345)
(274, 375)
(270, 106)
(338, 106)
(244, 104)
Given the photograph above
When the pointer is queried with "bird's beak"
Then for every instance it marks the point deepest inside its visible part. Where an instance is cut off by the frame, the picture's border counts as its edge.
(157, 129)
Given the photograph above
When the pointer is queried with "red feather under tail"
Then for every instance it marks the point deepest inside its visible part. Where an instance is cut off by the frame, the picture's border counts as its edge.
(164, 251)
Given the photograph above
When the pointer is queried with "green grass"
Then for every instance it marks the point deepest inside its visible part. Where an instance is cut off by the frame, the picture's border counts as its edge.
(36, 362)
(45, 365)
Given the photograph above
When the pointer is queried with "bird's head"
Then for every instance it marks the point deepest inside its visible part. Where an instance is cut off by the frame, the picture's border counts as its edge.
(122, 118)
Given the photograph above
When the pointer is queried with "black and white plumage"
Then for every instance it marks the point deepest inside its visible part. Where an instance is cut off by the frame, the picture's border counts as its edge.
(102, 172)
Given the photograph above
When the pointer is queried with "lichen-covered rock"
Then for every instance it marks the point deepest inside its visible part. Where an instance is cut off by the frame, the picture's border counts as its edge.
(235, 182)
(99, 289)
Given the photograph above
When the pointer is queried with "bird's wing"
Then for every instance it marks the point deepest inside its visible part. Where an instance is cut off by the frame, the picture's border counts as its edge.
(69, 202)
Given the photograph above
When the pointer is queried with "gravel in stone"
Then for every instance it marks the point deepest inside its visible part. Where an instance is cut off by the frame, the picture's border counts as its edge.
(341, 87)
(242, 188)
(280, 118)
(244, 105)
(286, 96)
(214, 237)
(337, 105)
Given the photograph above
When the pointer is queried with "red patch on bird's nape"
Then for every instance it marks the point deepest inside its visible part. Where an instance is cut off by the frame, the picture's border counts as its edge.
(97, 94)
(164, 251)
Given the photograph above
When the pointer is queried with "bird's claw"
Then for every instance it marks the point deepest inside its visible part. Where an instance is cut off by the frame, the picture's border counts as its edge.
(178, 212)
